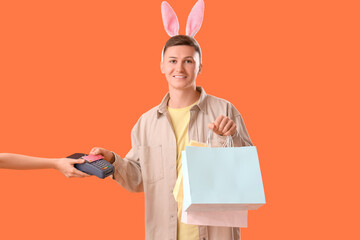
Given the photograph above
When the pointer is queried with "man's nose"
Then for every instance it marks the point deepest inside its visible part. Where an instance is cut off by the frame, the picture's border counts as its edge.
(179, 67)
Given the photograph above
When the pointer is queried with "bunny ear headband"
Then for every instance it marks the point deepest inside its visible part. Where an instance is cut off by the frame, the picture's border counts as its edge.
(194, 20)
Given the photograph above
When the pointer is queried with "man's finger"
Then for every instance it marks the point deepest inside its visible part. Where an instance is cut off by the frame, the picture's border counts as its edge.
(216, 130)
(218, 120)
(222, 124)
(231, 131)
(95, 151)
(227, 127)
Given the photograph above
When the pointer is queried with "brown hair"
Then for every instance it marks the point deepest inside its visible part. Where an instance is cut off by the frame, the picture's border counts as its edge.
(182, 40)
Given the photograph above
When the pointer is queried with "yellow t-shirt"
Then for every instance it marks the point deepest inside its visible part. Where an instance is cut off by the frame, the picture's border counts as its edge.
(180, 118)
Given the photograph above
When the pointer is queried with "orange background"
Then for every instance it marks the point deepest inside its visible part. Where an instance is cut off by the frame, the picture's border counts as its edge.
(78, 74)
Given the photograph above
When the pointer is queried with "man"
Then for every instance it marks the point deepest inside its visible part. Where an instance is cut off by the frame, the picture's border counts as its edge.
(186, 113)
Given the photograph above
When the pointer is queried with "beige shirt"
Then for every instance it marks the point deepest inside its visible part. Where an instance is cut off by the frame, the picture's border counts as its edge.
(150, 165)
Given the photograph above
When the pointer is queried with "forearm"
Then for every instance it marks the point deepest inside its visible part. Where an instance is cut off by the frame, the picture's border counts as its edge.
(17, 161)
(128, 174)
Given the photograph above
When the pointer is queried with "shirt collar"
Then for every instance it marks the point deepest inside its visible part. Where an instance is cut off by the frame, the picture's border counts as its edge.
(201, 104)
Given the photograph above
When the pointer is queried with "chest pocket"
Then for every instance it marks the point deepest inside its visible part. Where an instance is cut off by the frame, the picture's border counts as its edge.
(151, 161)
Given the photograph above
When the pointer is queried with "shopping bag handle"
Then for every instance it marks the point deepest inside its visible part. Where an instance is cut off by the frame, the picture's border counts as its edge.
(228, 143)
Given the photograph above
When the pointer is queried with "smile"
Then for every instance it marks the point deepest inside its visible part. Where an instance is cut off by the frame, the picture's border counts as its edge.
(178, 76)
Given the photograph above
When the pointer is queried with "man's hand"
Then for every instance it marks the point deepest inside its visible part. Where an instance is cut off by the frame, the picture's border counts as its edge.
(223, 126)
(108, 155)
(66, 167)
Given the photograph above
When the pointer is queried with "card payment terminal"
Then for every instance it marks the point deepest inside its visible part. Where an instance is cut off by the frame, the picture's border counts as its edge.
(93, 165)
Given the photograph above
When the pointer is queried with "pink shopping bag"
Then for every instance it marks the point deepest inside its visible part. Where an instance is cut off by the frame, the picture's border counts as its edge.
(224, 218)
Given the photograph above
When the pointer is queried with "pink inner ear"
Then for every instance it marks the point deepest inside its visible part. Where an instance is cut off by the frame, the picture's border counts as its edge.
(170, 19)
(195, 18)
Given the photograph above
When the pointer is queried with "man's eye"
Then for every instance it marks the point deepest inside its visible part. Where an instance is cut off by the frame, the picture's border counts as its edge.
(188, 61)
(172, 61)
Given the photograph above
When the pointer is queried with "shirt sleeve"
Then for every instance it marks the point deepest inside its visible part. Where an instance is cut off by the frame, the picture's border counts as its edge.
(128, 170)
(241, 136)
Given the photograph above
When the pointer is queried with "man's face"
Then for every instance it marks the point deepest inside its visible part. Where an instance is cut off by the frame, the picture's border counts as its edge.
(181, 65)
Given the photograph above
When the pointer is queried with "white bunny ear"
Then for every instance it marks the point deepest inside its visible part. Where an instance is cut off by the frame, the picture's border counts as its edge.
(195, 18)
(170, 19)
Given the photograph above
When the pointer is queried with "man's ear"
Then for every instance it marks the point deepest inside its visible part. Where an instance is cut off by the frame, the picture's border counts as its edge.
(162, 67)
(200, 68)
